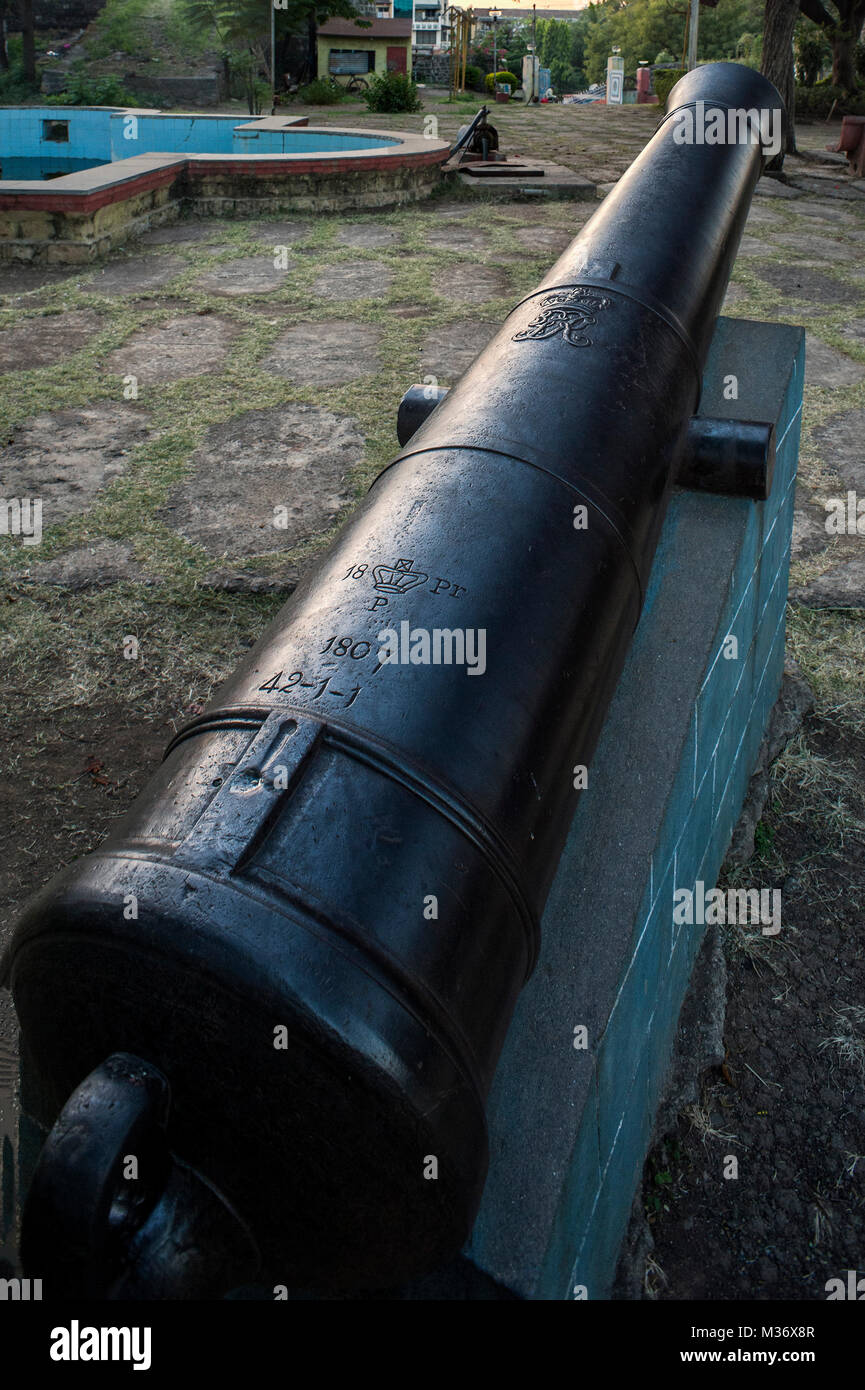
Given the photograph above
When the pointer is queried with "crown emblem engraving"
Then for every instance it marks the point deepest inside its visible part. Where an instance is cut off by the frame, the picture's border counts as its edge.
(398, 578)
(568, 312)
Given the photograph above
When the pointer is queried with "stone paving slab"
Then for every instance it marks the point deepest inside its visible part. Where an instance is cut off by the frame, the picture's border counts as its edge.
(460, 239)
(134, 274)
(854, 329)
(192, 345)
(182, 233)
(328, 353)
(89, 567)
(67, 457)
(371, 235)
(449, 351)
(542, 239)
(468, 284)
(825, 366)
(18, 278)
(295, 458)
(809, 529)
(282, 233)
(804, 282)
(824, 249)
(37, 342)
(244, 275)
(353, 280)
(841, 587)
(841, 441)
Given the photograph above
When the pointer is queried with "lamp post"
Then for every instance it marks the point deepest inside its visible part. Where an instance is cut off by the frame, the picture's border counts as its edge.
(693, 28)
(495, 16)
(273, 56)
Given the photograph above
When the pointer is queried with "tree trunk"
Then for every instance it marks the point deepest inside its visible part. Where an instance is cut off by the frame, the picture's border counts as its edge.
(844, 40)
(779, 21)
(312, 31)
(843, 33)
(843, 67)
(28, 40)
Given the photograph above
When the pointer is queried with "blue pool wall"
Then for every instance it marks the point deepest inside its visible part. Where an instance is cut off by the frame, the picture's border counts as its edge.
(105, 134)
(21, 132)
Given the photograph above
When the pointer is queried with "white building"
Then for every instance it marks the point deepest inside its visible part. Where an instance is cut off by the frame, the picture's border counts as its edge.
(430, 31)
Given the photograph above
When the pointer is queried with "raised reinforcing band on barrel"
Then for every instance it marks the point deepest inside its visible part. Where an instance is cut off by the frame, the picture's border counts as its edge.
(359, 744)
(645, 299)
(529, 463)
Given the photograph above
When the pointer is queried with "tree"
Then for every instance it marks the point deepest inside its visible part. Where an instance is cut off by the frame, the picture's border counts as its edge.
(842, 21)
(779, 22)
(4, 55)
(28, 40)
(244, 27)
(644, 28)
(813, 51)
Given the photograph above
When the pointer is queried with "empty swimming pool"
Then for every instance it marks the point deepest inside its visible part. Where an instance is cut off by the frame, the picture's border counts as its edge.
(102, 174)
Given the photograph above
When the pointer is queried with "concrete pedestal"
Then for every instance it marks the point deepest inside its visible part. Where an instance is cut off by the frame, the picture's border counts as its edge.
(570, 1125)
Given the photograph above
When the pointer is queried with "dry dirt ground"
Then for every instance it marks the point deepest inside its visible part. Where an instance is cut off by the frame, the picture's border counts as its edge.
(165, 402)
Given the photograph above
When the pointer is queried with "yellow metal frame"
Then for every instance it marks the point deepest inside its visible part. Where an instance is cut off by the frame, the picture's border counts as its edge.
(461, 25)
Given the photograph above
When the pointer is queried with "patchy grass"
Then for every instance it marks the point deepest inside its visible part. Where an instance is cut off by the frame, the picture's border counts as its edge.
(848, 1041)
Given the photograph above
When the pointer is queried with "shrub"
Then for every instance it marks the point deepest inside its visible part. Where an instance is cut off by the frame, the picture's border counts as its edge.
(321, 93)
(859, 60)
(493, 77)
(566, 78)
(121, 28)
(818, 100)
(664, 80)
(474, 78)
(392, 91)
(93, 91)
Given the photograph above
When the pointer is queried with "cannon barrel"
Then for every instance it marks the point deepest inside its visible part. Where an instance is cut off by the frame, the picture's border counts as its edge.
(315, 920)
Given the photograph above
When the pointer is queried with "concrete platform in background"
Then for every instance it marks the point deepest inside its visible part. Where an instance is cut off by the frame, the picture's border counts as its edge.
(556, 183)
(570, 1126)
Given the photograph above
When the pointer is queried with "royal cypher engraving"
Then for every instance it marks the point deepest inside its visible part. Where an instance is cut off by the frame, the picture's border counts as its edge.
(565, 312)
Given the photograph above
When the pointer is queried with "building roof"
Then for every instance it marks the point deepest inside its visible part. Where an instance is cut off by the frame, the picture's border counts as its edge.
(372, 29)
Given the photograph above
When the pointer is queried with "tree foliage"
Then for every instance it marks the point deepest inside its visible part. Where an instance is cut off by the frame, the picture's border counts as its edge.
(644, 29)
(243, 26)
(812, 51)
(841, 21)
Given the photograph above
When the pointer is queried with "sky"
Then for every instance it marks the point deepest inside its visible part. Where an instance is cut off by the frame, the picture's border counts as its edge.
(526, 5)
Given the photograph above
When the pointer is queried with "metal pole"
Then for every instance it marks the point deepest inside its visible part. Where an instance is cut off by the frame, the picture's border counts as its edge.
(536, 84)
(692, 34)
(272, 54)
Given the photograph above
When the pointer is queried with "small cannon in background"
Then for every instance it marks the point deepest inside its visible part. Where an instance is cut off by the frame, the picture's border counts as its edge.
(282, 985)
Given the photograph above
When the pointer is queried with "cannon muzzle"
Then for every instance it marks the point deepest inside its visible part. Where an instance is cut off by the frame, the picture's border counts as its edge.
(315, 921)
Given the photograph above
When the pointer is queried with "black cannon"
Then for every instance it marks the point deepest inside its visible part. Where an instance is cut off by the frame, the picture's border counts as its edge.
(314, 923)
